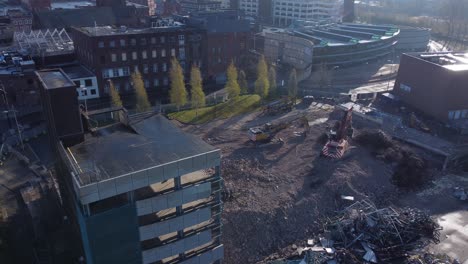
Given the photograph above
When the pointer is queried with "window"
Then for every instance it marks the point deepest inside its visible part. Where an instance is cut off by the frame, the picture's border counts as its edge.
(147, 83)
(156, 82)
(451, 114)
(77, 83)
(135, 68)
(143, 41)
(113, 57)
(163, 53)
(182, 53)
(134, 55)
(145, 68)
(124, 56)
(144, 55)
(126, 71)
(164, 67)
(93, 91)
(84, 92)
(101, 44)
(88, 82)
(457, 114)
(105, 73)
(154, 53)
(155, 67)
(112, 44)
(133, 42)
(127, 86)
(123, 43)
(173, 52)
(162, 39)
(181, 40)
(115, 72)
(165, 81)
(153, 40)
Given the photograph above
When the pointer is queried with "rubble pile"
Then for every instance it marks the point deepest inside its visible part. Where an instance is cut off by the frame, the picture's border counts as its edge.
(361, 233)
(410, 170)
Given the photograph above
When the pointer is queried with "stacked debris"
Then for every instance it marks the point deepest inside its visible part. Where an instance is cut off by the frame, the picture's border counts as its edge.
(361, 233)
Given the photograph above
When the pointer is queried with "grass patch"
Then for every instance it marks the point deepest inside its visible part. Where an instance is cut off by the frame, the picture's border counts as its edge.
(239, 105)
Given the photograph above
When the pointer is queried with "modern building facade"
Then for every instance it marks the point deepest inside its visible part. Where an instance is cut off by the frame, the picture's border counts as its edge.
(139, 190)
(342, 44)
(115, 53)
(285, 12)
(190, 6)
(435, 83)
(249, 7)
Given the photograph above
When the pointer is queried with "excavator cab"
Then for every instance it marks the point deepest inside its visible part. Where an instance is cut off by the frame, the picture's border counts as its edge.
(337, 143)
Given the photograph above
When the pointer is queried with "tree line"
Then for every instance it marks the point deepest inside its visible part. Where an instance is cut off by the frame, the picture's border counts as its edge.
(265, 86)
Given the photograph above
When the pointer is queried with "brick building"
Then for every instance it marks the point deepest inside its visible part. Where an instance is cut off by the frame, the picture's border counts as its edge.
(225, 40)
(115, 53)
(435, 83)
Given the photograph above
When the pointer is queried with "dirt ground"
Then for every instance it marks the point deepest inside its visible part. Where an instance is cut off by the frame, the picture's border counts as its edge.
(280, 191)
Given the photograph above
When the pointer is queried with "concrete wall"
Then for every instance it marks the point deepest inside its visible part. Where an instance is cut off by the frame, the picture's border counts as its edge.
(139, 179)
(173, 199)
(180, 246)
(174, 224)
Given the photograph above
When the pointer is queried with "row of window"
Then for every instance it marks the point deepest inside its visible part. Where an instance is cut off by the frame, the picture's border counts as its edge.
(142, 41)
(458, 114)
(143, 55)
(145, 69)
(147, 82)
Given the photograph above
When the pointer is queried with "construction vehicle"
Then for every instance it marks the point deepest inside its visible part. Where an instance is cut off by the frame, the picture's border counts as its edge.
(267, 132)
(337, 143)
(279, 106)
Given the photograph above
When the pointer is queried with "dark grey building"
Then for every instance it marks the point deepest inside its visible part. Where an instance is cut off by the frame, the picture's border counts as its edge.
(139, 190)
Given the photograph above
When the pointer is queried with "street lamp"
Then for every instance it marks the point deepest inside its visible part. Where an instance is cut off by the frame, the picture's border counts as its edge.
(17, 125)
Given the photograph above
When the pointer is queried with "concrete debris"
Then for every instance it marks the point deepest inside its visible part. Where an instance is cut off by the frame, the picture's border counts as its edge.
(348, 198)
(363, 233)
(460, 194)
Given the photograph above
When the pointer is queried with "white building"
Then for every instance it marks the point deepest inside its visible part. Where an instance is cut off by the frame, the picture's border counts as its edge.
(286, 11)
(86, 82)
(250, 7)
(226, 4)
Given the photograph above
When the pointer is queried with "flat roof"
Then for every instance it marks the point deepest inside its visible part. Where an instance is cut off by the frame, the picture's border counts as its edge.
(55, 78)
(454, 61)
(77, 72)
(71, 4)
(113, 31)
(118, 149)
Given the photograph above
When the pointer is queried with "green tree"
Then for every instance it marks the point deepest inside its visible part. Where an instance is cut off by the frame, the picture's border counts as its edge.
(143, 103)
(197, 94)
(292, 85)
(244, 86)
(178, 93)
(261, 84)
(115, 96)
(232, 87)
(272, 80)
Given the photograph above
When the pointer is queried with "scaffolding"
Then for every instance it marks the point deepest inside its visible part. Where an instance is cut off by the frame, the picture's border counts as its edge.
(41, 43)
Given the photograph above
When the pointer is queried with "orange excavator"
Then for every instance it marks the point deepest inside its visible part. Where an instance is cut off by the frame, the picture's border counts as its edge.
(337, 143)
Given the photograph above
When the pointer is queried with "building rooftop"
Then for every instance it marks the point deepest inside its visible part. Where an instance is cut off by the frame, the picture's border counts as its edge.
(118, 150)
(323, 33)
(454, 61)
(115, 31)
(77, 71)
(71, 4)
(54, 78)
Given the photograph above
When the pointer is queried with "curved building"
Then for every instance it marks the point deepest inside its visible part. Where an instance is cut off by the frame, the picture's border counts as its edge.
(413, 39)
(342, 44)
